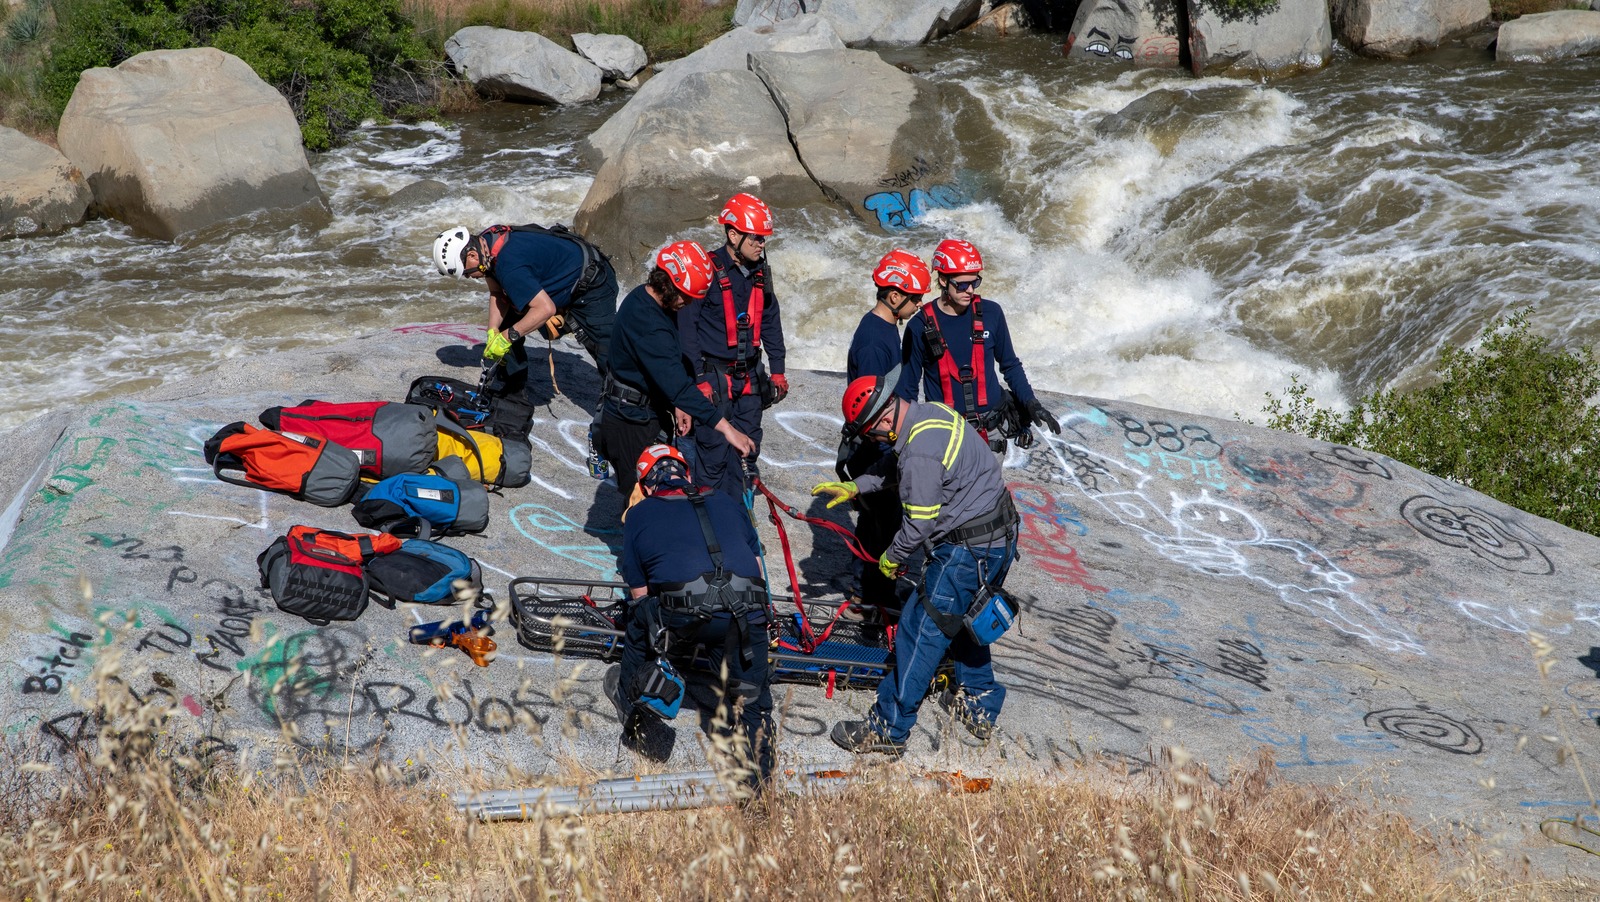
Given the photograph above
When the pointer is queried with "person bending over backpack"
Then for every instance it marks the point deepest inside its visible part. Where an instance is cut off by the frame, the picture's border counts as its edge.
(549, 279)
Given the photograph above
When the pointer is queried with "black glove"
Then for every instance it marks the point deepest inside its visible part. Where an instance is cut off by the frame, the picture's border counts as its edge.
(1042, 416)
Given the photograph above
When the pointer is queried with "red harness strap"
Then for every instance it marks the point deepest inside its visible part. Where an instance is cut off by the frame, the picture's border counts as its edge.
(974, 389)
(808, 639)
(744, 332)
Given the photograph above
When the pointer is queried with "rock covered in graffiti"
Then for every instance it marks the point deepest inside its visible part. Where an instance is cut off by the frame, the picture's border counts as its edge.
(1142, 32)
(1210, 37)
(1184, 579)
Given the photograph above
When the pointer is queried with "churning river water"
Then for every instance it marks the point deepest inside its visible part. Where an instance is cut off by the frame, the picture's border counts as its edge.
(1341, 225)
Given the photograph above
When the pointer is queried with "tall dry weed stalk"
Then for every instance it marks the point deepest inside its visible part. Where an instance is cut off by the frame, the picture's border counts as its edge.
(140, 815)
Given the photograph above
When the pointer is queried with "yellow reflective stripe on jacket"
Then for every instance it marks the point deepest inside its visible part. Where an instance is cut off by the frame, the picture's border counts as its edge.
(957, 434)
(922, 512)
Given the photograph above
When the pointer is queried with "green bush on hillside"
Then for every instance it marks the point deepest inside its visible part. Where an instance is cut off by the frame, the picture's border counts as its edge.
(328, 57)
(1512, 419)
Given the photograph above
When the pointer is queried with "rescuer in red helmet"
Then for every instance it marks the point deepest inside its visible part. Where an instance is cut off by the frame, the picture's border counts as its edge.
(734, 339)
(954, 503)
(648, 394)
(690, 558)
(901, 280)
(960, 346)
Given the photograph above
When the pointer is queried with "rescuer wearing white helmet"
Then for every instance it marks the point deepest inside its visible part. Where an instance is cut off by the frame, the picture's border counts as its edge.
(549, 279)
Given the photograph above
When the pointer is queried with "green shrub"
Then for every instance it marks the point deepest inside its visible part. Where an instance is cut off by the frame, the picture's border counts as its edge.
(325, 56)
(1513, 419)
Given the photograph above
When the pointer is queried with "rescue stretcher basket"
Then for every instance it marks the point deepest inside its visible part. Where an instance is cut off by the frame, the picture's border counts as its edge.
(580, 618)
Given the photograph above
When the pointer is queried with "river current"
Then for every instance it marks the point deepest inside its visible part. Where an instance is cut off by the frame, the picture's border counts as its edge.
(1342, 226)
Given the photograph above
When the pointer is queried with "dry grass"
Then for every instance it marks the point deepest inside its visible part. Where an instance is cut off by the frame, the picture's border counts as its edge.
(140, 822)
(142, 817)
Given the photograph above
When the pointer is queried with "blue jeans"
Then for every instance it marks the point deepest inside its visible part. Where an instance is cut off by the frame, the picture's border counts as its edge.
(952, 580)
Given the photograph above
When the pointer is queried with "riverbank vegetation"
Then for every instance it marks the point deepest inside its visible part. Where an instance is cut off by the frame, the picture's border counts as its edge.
(338, 62)
(1514, 418)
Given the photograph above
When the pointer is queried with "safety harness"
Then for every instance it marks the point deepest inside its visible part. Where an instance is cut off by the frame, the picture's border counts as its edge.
(974, 390)
(593, 257)
(743, 331)
(717, 591)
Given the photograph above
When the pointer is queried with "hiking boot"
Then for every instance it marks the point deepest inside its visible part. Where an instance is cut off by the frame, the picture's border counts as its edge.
(613, 691)
(956, 707)
(858, 736)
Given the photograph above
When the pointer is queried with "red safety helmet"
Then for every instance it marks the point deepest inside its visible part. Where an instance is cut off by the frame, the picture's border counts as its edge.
(748, 214)
(955, 257)
(865, 400)
(689, 266)
(665, 456)
(903, 270)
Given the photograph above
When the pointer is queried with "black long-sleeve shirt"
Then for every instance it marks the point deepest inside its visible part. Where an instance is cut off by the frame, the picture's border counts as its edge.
(646, 355)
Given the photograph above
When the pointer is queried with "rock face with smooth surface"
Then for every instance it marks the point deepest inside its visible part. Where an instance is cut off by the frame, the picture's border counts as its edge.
(41, 192)
(522, 65)
(175, 140)
(898, 21)
(617, 55)
(1295, 36)
(1187, 580)
(865, 130)
(1549, 36)
(1398, 28)
(731, 51)
(686, 157)
(860, 22)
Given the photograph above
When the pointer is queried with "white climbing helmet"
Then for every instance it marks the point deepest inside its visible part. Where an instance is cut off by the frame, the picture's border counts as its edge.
(447, 250)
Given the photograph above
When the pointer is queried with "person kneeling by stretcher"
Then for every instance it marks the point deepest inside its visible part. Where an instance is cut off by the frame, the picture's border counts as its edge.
(689, 557)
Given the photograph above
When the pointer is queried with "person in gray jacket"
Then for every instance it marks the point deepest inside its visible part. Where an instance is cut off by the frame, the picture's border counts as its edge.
(955, 504)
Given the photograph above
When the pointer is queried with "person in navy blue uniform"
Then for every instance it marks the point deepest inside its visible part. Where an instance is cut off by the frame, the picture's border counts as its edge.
(689, 559)
(901, 280)
(549, 279)
(649, 393)
(958, 347)
(728, 333)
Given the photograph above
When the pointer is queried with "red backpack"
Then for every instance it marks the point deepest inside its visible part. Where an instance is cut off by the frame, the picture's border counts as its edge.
(389, 438)
(308, 468)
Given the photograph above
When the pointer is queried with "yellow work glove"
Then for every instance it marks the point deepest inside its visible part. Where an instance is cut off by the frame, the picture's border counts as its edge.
(841, 491)
(889, 568)
(495, 346)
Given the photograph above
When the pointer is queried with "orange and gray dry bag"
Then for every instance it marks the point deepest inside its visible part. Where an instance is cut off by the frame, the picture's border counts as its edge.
(311, 469)
(388, 438)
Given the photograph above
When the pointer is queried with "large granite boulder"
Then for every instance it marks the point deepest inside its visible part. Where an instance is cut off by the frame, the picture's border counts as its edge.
(1296, 35)
(1549, 36)
(522, 65)
(869, 21)
(1142, 32)
(898, 21)
(617, 55)
(731, 51)
(686, 157)
(1397, 28)
(176, 140)
(869, 133)
(1002, 21)
(40, 190)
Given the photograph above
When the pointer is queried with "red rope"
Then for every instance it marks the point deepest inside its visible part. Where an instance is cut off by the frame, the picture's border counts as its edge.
(849, 537)
(808, 639)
